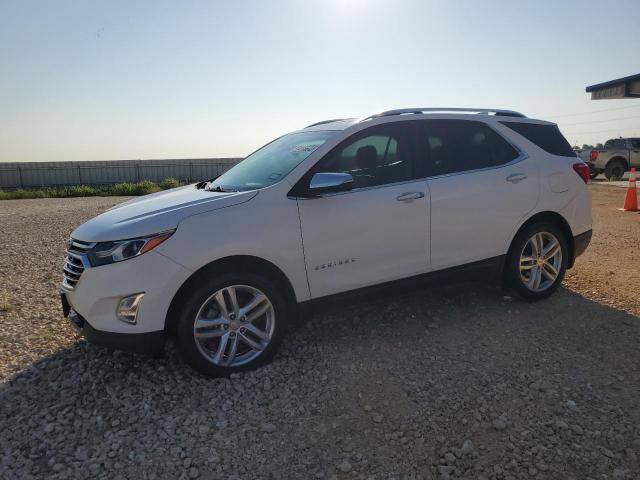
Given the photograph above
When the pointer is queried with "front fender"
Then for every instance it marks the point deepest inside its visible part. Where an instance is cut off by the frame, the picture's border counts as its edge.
(267, 228)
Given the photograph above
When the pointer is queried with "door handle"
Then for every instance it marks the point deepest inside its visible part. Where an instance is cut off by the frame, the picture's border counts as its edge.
(516, 177)
(408, 196)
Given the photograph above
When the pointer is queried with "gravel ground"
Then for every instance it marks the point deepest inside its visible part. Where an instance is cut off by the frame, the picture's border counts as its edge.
(451, 382)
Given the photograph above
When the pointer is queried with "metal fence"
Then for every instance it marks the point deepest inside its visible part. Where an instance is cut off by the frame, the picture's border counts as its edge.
(49, 174)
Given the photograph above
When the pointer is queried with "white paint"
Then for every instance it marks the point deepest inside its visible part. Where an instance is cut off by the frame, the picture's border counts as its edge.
(461, 218)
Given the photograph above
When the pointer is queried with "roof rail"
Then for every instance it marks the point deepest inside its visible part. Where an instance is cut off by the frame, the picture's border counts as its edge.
(329, 121)
(482, 111)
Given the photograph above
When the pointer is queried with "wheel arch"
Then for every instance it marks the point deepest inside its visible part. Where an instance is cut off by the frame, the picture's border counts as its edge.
(236, 263)
(556, 219)
(618, 158)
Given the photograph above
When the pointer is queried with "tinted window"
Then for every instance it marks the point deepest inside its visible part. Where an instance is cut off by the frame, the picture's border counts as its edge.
(615, 143)
(376, 156)
(461, 145)
(635, 142)
(547, 137)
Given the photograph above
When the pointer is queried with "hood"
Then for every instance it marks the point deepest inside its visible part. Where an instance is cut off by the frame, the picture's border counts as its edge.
(155, 213)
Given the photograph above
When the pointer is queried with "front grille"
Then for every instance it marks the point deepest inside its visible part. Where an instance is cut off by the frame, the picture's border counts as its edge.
(74, 259)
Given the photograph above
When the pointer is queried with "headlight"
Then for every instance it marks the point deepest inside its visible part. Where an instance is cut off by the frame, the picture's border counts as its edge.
(104, 253)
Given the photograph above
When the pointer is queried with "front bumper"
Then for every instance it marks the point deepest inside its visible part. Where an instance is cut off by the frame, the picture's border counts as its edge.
(150, 343)
(99, 290)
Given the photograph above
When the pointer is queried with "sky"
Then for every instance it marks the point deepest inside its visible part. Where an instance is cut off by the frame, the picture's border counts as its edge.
(96, 80)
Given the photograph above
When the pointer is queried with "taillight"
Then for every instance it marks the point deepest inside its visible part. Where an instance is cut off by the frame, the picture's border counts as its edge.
(582, 169)
(594, 155)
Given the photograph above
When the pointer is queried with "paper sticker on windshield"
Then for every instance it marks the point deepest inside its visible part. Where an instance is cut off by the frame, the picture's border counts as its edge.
(308, 148)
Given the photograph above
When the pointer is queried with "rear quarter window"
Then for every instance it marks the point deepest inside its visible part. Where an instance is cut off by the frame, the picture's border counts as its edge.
(547, 137)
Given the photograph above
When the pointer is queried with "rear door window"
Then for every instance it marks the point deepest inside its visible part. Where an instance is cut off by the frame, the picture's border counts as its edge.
(462, 145)
(547, 137)
(615, 143)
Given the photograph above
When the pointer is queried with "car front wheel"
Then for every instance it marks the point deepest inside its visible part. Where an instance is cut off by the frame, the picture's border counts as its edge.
(537, 261)
(232, 323)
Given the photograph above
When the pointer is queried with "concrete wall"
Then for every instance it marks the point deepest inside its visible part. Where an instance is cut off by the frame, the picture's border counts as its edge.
(38, 174)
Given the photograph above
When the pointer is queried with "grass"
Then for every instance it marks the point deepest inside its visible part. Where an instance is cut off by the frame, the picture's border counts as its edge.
(119, 189)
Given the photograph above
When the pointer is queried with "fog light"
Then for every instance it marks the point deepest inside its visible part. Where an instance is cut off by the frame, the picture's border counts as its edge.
(128, 308)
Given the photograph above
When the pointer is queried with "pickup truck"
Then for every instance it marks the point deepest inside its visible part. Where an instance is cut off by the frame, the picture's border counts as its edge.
(617, 156)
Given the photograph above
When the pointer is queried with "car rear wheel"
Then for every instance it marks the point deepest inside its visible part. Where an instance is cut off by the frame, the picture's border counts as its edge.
(537, 261)
(232, 323)
(615, 170)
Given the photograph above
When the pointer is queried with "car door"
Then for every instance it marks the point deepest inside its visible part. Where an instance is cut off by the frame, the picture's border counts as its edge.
(376, 232)
(481, 188)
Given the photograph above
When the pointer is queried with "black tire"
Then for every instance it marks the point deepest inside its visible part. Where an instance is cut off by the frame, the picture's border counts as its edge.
(187, 344)
(615, 170)
(512, 275)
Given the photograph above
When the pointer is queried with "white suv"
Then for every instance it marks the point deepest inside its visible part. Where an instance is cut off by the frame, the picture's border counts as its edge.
(338, 206)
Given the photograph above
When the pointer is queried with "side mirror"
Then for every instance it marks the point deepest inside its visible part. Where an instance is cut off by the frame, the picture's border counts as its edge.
(325, 182)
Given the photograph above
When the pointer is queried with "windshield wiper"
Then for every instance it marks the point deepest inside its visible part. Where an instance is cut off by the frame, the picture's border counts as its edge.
(204, 183)
(221, 190)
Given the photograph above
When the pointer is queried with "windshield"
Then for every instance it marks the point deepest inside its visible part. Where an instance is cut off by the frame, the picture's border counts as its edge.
(272, 162)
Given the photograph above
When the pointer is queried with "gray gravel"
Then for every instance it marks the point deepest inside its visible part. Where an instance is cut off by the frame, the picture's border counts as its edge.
(443, 383)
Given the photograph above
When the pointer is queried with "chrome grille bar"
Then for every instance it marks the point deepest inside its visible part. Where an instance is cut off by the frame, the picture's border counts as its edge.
(74, 262)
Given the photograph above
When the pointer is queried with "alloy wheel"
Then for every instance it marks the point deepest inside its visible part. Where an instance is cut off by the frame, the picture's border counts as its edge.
(540, 261)
(234, 325)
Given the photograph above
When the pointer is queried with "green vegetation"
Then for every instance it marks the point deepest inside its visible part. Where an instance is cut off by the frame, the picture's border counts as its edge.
(168, 183)
(119, 189)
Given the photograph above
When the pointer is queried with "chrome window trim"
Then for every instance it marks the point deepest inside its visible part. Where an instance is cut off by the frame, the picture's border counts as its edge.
(520, 158)
(360, 189)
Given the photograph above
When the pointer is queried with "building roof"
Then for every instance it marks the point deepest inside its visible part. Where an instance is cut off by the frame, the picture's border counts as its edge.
(611, 83)
(626, 87)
